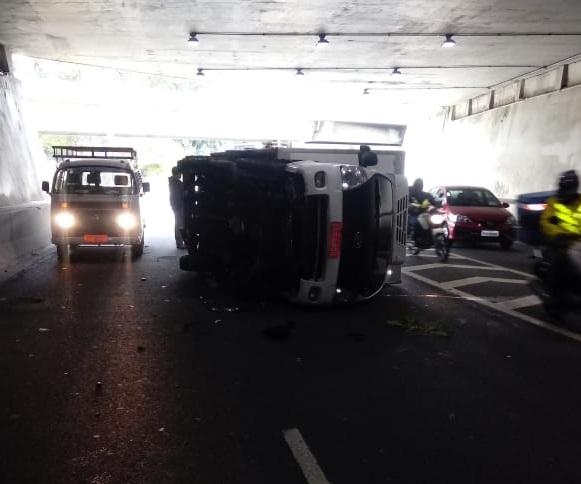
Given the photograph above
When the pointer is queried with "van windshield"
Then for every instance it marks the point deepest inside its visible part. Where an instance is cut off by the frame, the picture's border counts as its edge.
(94, 180)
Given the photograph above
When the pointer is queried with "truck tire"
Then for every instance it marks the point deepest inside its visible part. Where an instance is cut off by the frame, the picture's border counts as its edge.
(198, 263)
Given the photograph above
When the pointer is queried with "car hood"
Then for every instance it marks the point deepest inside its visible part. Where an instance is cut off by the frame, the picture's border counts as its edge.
(496, 214)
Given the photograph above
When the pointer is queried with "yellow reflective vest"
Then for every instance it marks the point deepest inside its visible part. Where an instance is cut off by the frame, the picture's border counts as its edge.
(567, 218)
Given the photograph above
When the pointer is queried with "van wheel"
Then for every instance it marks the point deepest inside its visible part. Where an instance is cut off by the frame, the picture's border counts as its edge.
(137, 249)
(62, 252)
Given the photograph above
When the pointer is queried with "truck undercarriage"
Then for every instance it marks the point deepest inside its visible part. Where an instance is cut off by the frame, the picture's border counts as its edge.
(242, 218)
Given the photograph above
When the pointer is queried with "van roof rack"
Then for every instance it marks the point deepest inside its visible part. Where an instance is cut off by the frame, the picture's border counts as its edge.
(94, 152)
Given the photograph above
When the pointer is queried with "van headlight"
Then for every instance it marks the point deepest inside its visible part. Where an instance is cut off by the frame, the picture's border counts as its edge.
(126, 221)
(65, 220)
(353, 176)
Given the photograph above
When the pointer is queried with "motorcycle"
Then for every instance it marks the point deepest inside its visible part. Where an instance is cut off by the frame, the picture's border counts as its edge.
(571, 300)
(431, 231)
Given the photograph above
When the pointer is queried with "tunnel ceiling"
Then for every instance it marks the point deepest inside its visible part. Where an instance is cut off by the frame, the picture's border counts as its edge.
(265, 42)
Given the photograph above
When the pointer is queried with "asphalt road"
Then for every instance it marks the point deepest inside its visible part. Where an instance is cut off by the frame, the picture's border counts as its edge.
(120, 371)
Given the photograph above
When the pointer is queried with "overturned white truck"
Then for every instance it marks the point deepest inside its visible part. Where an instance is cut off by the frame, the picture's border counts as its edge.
(318, 226)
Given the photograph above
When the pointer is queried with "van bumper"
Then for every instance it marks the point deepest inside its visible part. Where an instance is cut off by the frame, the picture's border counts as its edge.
(114, 240)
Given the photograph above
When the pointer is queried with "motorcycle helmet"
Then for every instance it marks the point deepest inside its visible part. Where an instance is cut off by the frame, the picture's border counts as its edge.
(568, 183)
(418, 185)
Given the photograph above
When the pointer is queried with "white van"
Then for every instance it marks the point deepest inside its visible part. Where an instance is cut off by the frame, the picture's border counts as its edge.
(95, 199)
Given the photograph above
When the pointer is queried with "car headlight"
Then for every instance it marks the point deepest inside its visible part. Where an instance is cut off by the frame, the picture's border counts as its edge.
(320, 179)
(126, 221)
(437, 219)
(65, 220)
(353, 176)
(454, 218)
(510, 221)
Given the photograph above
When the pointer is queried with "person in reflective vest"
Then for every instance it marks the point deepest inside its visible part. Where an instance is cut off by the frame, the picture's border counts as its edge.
(419, 201)
(561, 225)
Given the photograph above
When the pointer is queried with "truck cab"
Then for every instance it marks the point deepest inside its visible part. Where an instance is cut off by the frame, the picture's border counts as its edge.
(96, 199)
(315, 225)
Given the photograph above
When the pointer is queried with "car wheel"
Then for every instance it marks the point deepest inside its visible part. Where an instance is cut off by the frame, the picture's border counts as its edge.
(506, 244)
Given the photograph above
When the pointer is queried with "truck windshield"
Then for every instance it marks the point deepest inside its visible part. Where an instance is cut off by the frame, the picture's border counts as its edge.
(94, 179)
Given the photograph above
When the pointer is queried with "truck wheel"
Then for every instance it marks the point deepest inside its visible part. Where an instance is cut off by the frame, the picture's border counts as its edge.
(198, 263)
(137, 249)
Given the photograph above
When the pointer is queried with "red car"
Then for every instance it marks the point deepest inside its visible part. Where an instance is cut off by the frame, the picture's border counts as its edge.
(474, 214)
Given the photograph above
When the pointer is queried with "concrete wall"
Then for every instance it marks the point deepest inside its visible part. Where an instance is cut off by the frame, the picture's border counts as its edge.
(513, 149)
(24, 209)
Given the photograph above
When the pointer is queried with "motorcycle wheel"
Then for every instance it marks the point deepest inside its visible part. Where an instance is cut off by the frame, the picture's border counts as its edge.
(442, 248)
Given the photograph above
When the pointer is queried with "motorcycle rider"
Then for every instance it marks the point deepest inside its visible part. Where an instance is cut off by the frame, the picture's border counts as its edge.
(560, 223)
(419, 201)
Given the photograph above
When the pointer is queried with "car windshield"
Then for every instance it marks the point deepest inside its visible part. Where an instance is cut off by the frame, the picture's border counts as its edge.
(471, 197)
(94, 179)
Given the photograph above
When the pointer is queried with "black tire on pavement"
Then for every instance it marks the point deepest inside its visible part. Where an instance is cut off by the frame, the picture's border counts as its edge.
(137, 249)
(442, 248)
(62, 252)
(506, 244)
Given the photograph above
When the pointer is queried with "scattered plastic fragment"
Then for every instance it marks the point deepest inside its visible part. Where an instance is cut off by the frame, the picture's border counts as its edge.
(233, 309)
(43, 330)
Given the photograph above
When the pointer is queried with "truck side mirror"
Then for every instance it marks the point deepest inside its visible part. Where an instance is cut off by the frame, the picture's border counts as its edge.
(368, 158)
(145, 187)
(45, 186)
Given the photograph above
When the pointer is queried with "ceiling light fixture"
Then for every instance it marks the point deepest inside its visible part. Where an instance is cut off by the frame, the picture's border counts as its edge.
(366, 91)
(200, 72)
(449, 42)
(395, 72)
(299, 72)
(193, 40)
(322, 42)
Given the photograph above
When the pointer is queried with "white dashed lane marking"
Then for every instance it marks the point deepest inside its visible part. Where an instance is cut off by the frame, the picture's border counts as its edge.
(507, 306)
(306, 460)
(468, 281)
